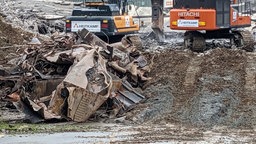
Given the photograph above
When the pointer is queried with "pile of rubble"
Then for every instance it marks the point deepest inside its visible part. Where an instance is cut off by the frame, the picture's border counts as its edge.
(32, 19)
(70, 76)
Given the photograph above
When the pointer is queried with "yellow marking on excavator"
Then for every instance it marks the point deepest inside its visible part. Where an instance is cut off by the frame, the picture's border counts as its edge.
(201, 23)
(174, 23)
(105, 21)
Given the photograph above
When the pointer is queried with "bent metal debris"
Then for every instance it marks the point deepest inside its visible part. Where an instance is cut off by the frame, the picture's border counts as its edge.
(70, 76)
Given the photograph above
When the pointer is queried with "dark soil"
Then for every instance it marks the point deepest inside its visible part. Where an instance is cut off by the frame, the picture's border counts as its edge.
(215, 96)
(10, 36)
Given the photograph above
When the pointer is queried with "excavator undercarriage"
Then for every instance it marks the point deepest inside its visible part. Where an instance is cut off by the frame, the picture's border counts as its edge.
(195, 40)
(244, 40)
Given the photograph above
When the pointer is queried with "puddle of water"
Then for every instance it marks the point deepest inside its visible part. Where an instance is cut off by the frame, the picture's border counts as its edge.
(1, 135)
(67, 138)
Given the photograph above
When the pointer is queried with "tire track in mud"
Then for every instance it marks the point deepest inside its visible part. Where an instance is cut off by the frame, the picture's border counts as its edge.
(212, 89)
(250, 83)
(250, 78)
(205, 90)
(165, 91)
(188, 89)
(190, 78)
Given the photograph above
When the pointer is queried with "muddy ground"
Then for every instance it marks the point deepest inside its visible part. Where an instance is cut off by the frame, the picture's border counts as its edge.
(206, 90)
(116, 133)
(192, 97)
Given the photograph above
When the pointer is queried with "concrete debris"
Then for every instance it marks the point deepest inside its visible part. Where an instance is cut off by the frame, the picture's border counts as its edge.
(253, 17)
(32, 19)
(86, 75)
(35, 41)
(51, 17)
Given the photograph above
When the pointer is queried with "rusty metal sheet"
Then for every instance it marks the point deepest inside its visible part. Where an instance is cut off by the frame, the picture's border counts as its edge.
(124, 95)
(35, 112)
(127, 97)
(44, 87)
(77, 75)
(70, 54)
(92, 39)
(83, 103)
(87, 86)
(58, 101)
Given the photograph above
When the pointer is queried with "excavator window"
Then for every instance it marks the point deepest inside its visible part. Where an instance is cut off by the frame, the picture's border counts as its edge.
(194, 4)
(243, 7)
(223, 13)
(97, 10)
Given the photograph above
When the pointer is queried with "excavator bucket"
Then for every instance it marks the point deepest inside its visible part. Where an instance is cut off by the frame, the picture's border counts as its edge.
(158, 19)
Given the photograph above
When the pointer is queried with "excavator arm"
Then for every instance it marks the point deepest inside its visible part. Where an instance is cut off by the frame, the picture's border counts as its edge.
(158, 19)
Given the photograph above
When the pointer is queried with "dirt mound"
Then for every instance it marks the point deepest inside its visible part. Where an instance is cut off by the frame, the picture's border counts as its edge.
(201, 89)
(168, 72)
(9, 37)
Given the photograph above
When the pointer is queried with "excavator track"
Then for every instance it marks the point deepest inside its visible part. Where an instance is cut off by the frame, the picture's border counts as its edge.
(195, 41)
(247, 41)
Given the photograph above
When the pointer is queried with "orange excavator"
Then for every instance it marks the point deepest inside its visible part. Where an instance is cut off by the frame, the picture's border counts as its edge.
(103, 18)
(207, 19)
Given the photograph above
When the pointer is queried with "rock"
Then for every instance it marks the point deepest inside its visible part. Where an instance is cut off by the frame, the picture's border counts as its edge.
(120, 119)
